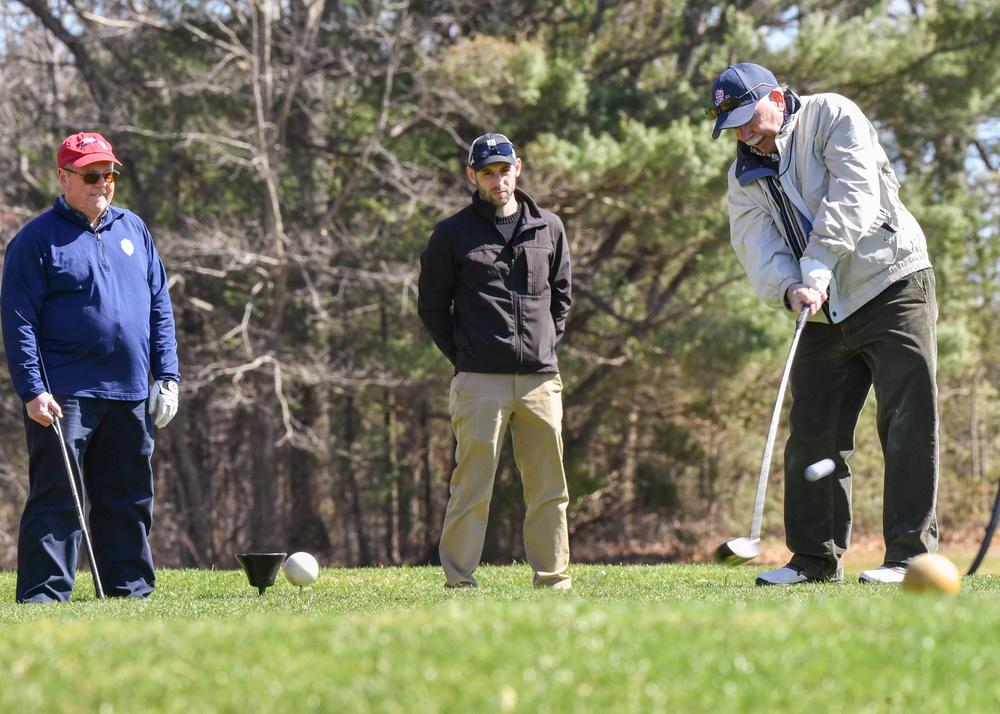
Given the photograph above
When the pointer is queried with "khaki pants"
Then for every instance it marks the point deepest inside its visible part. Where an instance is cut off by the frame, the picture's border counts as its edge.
(481, 406)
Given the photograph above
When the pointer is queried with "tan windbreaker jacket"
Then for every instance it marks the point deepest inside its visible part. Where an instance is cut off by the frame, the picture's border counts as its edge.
(836, 175)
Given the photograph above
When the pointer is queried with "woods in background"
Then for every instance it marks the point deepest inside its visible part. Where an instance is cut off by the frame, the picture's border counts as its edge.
(287, 157)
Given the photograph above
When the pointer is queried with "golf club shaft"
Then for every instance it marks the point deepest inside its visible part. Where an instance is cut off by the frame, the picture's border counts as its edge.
(78, 502)
(987, 537)
(765, 466)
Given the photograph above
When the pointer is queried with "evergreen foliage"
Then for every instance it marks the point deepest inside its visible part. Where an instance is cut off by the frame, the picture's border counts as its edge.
(292, 159)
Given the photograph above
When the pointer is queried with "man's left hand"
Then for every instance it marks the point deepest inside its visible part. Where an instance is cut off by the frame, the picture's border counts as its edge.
(801, 295)
(163, 399)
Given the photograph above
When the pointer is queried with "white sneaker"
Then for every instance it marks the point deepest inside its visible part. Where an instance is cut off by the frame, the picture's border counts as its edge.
(787, 575)
(884, 574)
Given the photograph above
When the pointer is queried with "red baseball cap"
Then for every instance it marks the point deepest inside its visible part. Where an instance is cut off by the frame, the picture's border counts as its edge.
(83, 149)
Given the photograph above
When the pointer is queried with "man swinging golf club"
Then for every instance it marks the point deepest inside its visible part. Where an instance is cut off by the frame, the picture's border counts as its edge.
(817, 224)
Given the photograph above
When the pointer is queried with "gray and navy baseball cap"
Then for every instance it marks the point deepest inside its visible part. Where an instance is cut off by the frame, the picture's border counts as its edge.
(490, 149)
(735, 95)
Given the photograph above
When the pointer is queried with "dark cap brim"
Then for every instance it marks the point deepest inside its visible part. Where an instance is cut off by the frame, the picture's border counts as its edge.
(736, 118)
(492, 159)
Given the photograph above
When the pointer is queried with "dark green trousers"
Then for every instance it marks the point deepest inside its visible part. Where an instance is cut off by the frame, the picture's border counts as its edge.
(891, 344)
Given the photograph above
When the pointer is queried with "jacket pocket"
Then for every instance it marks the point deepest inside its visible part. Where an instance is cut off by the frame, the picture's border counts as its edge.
(880, 245)
(538, 333)
(538, 260)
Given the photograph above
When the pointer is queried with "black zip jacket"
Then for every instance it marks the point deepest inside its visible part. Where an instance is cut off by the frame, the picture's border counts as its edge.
(492, 305)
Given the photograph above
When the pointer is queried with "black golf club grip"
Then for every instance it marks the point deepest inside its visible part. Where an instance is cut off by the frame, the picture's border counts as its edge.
(987, 536)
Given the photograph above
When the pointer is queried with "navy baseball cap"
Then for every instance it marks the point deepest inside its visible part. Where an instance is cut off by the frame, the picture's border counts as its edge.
(490, 149)
(735, 95)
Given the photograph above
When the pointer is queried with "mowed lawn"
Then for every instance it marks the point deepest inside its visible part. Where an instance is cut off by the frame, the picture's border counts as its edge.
(663, 638)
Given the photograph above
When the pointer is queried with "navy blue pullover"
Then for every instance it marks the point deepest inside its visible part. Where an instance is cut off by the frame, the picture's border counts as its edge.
(94, 302)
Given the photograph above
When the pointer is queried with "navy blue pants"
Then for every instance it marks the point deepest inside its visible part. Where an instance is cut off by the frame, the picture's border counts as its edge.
(112, 441)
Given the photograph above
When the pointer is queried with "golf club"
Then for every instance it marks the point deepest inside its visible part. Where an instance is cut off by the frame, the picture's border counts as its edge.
(79, 508)
(987, 537)
(70, 474)
(740, 550)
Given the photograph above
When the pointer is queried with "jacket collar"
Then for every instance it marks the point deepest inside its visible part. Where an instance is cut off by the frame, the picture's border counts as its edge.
(531, 215)
(62, 208)
(751, 165)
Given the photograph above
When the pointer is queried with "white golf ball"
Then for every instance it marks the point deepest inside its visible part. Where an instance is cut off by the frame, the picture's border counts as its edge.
(301, 569)
(819, 470)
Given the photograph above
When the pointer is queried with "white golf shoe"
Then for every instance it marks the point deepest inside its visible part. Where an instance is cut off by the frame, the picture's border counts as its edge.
(787, 575)
(884, 574)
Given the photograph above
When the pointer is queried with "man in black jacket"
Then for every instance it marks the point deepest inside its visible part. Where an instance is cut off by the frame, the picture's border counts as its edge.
(494, 295)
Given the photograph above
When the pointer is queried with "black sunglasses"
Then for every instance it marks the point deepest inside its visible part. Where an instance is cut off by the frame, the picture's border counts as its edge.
(91, 177)
(730, 103)
(478, 152)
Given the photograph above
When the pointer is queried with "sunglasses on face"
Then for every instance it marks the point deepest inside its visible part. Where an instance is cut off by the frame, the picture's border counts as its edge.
(93, 177)
(480, 152)
(730, 103)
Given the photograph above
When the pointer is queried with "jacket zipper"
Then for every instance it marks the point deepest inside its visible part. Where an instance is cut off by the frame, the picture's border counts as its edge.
(518, 342)
(100, 249)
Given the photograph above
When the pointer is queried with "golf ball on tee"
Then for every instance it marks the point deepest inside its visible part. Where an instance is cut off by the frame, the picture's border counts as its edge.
(819, 470)
(301, 569)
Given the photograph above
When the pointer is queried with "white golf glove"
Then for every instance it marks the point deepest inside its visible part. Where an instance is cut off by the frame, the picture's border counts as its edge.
(163, 398)
(814, 274)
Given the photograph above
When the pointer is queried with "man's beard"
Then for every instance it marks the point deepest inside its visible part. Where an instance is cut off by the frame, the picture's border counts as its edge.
(499, 201)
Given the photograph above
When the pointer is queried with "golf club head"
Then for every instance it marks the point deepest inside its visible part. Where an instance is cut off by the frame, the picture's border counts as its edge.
(737, 551)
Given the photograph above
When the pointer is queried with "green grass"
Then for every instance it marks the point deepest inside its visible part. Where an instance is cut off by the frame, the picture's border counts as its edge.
(666, 638)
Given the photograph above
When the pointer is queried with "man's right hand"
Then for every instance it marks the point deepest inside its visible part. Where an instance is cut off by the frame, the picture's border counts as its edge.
(801, 295)
(44, 409)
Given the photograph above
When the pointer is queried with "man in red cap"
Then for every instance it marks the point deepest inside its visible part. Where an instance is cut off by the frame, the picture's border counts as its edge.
(87, 327)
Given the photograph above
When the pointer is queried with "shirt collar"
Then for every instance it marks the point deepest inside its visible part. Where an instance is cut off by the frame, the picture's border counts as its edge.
(64, 206)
